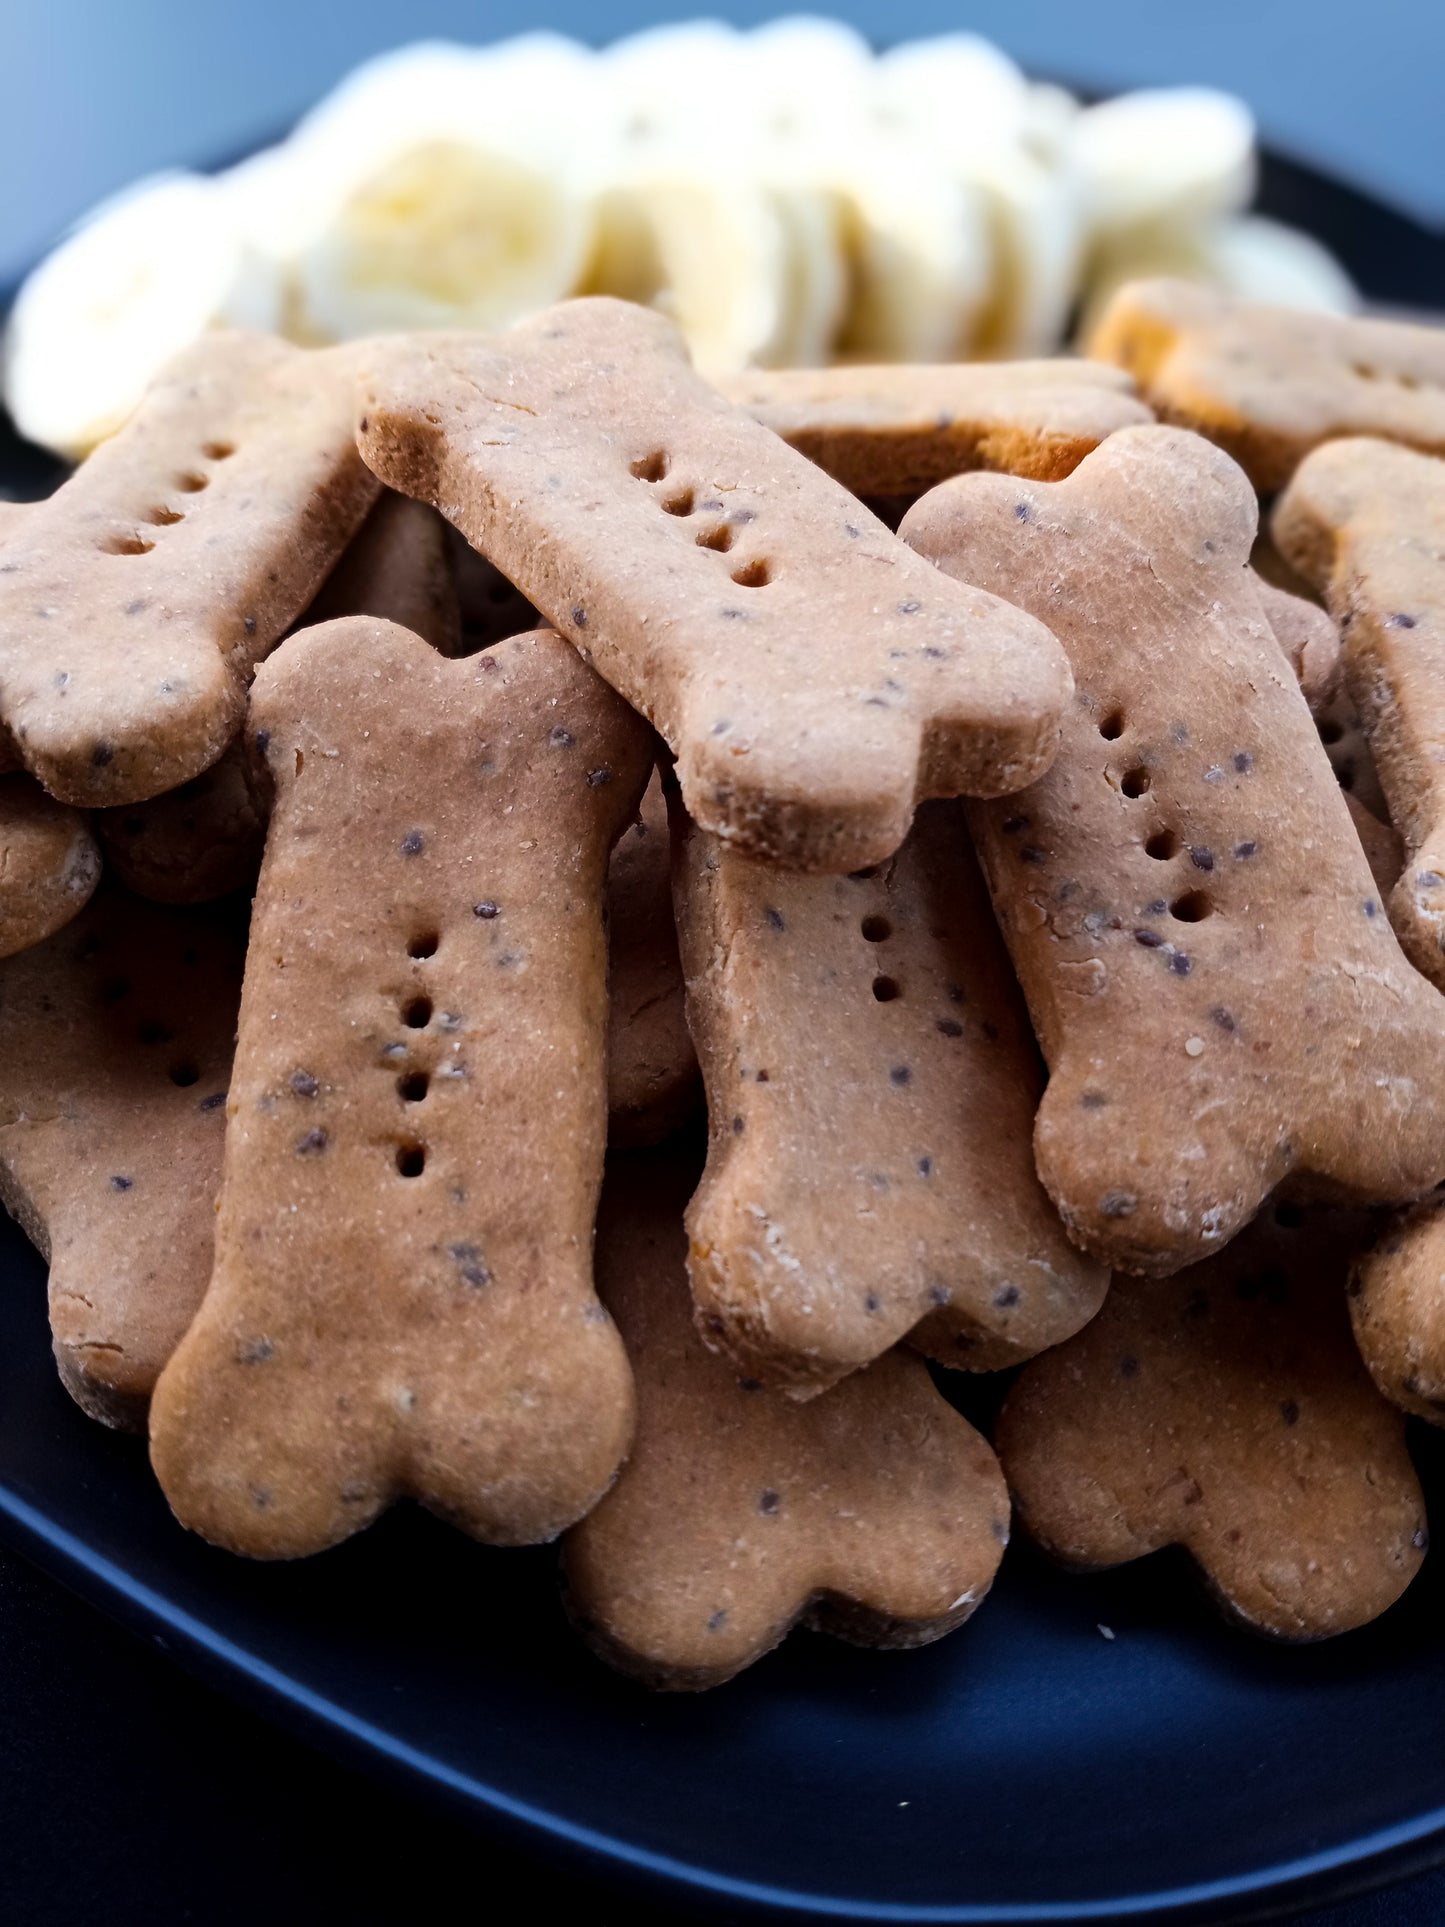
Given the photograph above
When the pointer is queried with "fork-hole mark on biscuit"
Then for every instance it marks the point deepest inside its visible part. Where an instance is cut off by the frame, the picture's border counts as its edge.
(886, 989)
(1112, 727)
(152, 1032)
(218, 451)
(1193, 907)
(719, 539)
(876, 929)
(416, 1015)
(424, 945)
(411, 1160)
(163, 518)
(1135, 782)
(191, 483)
(115, 991)
(126, 545)
(753, 575)
(1163, 846)
(679, 504)
(651, 468)
(183, 1075)
(1331, 731)
(413, 1087)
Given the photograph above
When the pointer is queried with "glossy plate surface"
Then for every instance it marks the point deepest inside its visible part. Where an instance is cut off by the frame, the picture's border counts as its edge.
(1030, 1768)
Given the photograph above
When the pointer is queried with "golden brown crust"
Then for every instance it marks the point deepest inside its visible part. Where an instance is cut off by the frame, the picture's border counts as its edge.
(136, 601)
(653, 1084)
(110, 1136)
(49, 864)
(814, 681)
(1227, 1411)
(1365, 521)
(1187, 872)
(1270, 384)
(872, 1082)
(402, 1299)
(898, 430)
(875, 1512)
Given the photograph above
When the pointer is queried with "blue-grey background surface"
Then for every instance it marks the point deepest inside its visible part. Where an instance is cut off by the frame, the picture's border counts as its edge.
(126, 1791)
(94, 92)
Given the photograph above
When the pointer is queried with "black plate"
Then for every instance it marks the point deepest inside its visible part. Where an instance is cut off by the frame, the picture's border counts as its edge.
(1032, 1768)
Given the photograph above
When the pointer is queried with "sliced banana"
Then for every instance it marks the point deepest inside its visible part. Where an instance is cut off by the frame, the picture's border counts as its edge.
(674, 85)
(432, 193)
(1181, 154)
(135, 283)
(957, 89)
(1038, 237)
(1249, 256)
(802, 79)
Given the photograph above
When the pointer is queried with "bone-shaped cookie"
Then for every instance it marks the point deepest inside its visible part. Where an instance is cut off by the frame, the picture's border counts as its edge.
(402, 1298)
(1270, 384)
(49, 864)
(1227, 1412)
(1308, 638)
(204, 839)
(1397, 1307)
(115, 1055)
(652, 1077)
(136, 601)
(897, 430)
(874, 1512)
(814, 681)
(1365, 521)
(872, 1082)
(1216, 988)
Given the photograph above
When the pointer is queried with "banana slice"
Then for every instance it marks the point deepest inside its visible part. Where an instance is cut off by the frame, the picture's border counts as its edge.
(1181, 154)
(1250, 256)
(713, 253)
(1038, 237)
(136, 282)
(675, 85)
(804, 79)
(432, 193)
(1050, 116)
(957, 89)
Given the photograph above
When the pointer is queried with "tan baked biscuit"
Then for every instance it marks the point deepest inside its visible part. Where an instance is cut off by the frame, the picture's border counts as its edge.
(1383, 848)
(1270, 384)
(397, 566)
(1343, 736)
(1227, 1412)
(49, 864)
(1366, 522)
(192, 844)
(1216, 988)
(1308, 637)
(491, 608)
(1397, 1307)
(136, 601)
(115, 1053)
(875, 1512)
(898, 430)
(653, 1084)
(872, 1082)
(813, 680)
(204, 839)
(402, 1300)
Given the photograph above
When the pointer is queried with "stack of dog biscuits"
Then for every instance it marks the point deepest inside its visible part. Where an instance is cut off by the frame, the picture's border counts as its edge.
(584, 944)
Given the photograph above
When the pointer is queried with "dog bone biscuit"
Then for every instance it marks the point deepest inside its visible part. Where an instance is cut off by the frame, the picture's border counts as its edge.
(814, 681)
(204, 839)
(653, 1085)
(1187, 877)
(1397, 1307)
(874, 1512)
(1365, 521)
(898, 430)
(1308, 637)
(1227, 1412)
(136, 601)
(872, 1082)
(1384, 850)
(192, 844)
(398, 566)
(402, 1298)
(49, 864)
(1270, 384)
(110, 1149)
